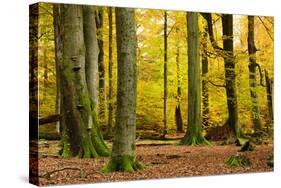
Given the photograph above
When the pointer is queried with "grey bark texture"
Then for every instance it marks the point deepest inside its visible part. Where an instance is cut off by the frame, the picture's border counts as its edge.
(193, 134)
(123, 149)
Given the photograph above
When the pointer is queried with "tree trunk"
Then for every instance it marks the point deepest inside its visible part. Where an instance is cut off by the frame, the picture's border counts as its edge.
(102, 86)
(269, 94)
(252, 74)
(205, 90)
(123, 149)
(178, 117)
(92, 53)
(45, 74)
(227, 28)
(81, 135)
(110, 88)
(58, 58)
(165, 74)
(193, 134)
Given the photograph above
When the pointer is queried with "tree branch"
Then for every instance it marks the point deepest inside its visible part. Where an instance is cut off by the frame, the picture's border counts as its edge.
(217, 85)
(261, 76)
(266, 28)
(208, 18)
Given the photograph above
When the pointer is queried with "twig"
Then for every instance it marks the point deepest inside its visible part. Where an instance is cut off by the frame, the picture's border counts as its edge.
(217, 85)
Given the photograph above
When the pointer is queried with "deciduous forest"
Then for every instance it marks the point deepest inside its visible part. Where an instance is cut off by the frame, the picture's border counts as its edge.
(126, 94)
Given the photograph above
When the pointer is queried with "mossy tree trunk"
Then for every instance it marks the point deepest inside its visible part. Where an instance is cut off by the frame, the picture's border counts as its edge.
(165, 74)
(123, 151)
(205, 89)
(178, 116)
(110, 64)
(102, 86)
(193, 134)
(230, 82)
(80, 132)
(252, 73)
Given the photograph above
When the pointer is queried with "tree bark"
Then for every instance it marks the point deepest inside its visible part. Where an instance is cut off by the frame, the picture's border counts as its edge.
(165, 74)
(123, 149)
(193, 134)
(81, 135)
(110, 64)
(102, 86)
(205, 89)
(92, 53)
(269, 94)
(229, 65)
(178, 116)
(252, 74)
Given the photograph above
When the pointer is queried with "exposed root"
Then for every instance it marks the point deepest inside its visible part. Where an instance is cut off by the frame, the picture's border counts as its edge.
(123, 163)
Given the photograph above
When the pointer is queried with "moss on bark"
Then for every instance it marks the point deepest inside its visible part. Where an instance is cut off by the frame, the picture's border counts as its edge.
(123, 163)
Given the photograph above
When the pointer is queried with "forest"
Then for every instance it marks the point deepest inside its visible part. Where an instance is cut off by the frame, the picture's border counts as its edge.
(126, 94)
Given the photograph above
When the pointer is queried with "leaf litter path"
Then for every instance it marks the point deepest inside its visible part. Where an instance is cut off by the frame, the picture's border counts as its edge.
(162, 161)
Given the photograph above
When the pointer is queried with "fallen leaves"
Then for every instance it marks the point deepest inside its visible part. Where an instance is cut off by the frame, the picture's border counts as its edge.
(164, 161)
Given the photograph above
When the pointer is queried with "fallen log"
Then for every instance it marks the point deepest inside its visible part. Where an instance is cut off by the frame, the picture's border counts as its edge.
(49, 119)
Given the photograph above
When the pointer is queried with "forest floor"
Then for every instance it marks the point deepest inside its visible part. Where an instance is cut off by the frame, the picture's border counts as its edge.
(162, 159)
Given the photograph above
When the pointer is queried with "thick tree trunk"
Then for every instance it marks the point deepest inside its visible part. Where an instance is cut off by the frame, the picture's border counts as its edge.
(178, 117)
(123, 149)
(252, 74)
(92, 53)
(58, 58)
(229, 64)
(205, 90)
(81, 136)
(102, 86)
(193, 134)
(165, 74)
(110, 88)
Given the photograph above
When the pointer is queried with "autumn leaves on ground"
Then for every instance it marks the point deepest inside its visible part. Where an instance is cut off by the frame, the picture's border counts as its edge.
(128, 94)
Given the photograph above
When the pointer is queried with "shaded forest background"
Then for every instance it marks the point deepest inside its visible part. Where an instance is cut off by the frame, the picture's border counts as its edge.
(150, 73)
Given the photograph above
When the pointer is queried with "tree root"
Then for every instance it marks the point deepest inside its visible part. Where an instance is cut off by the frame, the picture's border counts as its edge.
(194, 141)
(123, 163)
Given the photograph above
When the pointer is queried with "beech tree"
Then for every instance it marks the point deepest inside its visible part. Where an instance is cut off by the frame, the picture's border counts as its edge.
(80, 132)
(123, 150)
(230, 77)
(252, 73)
(193, 134)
